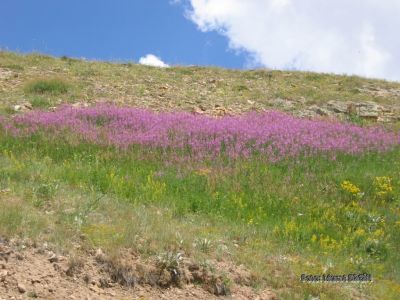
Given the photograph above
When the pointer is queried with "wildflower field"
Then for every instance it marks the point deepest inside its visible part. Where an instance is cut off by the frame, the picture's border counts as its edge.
(281, 195)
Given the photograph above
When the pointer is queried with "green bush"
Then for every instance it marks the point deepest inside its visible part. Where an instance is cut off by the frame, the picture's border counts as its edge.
(47, 86)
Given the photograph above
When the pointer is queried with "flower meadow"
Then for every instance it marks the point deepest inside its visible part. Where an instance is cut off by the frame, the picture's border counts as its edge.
(272, 134)
(299, 195)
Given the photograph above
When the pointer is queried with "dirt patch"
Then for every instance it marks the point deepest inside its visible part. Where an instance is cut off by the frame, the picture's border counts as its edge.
(31, 271)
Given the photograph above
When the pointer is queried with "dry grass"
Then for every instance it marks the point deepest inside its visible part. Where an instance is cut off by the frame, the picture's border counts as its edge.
(179, 87)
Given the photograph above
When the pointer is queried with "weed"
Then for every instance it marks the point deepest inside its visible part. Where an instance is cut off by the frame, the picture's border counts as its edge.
(169, 260)
(204, 245)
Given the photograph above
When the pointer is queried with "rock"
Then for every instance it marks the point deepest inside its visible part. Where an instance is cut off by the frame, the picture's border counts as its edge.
(3, 275)
(319, 110)
(53, 258)
(5, 191)
(35, 280)
(21, 288)
(220, 111)
(338, 106)
(17, 107)
(23, 107)
(197, 110)
(80, 105)
(368, 109)
(100, 256)
(388, 118)
(27, 105)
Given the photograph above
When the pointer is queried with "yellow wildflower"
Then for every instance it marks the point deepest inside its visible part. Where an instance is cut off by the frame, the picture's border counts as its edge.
(383, 186)
(359, 232)
(379, 233)
(350, 187)
(314, 238)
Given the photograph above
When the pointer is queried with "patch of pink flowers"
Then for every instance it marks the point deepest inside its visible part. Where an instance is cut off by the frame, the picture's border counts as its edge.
(273, 134)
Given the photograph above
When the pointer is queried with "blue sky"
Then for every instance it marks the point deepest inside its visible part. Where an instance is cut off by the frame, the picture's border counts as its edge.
(112, 30)
(357, 37)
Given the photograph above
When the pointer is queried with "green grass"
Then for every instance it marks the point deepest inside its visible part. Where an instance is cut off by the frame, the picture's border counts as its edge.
(280, 220)
(40, 102)
(47, 86)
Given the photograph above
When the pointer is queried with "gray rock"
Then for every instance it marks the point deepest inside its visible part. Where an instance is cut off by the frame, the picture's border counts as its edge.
(338, 106)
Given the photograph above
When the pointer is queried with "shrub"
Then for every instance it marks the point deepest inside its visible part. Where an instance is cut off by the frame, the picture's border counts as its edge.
(47, 86)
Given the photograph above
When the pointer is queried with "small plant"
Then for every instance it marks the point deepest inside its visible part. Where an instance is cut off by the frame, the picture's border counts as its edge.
(204, 245)
(47, 86)
(39, 102)
(384, 188)
(169, 260)
(43, 194)
(355, 119)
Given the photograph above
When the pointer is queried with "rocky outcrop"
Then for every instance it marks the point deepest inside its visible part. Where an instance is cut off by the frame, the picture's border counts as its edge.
(363, 109)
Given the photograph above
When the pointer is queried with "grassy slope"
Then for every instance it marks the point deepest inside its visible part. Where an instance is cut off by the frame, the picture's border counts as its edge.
(235, 209)
(279, 220)
(180, 87)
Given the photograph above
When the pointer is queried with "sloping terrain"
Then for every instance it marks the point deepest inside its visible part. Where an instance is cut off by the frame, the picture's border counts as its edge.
(110, 201)
(211, 91)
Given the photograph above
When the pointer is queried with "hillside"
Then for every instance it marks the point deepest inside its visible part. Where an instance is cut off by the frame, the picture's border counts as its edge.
(213, 91)
(125, 195)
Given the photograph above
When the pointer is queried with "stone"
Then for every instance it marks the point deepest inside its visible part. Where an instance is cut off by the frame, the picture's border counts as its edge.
(21, 288)
(3, 275)
(319, 110)
(197, 110)
(100, 256)
(53, 258)
(220, 111)
(337, 106)
(368, 109)
(23, 107)
(80, 105)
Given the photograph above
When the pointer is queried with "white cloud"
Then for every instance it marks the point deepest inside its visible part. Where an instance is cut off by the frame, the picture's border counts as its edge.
(152, 60)
(341, 36)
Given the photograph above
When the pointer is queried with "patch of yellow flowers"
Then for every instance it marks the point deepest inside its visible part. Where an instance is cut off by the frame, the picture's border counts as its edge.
(383, 187)
(351, 188)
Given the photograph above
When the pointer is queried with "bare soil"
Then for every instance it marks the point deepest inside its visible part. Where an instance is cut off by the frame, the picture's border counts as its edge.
(31, 271)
